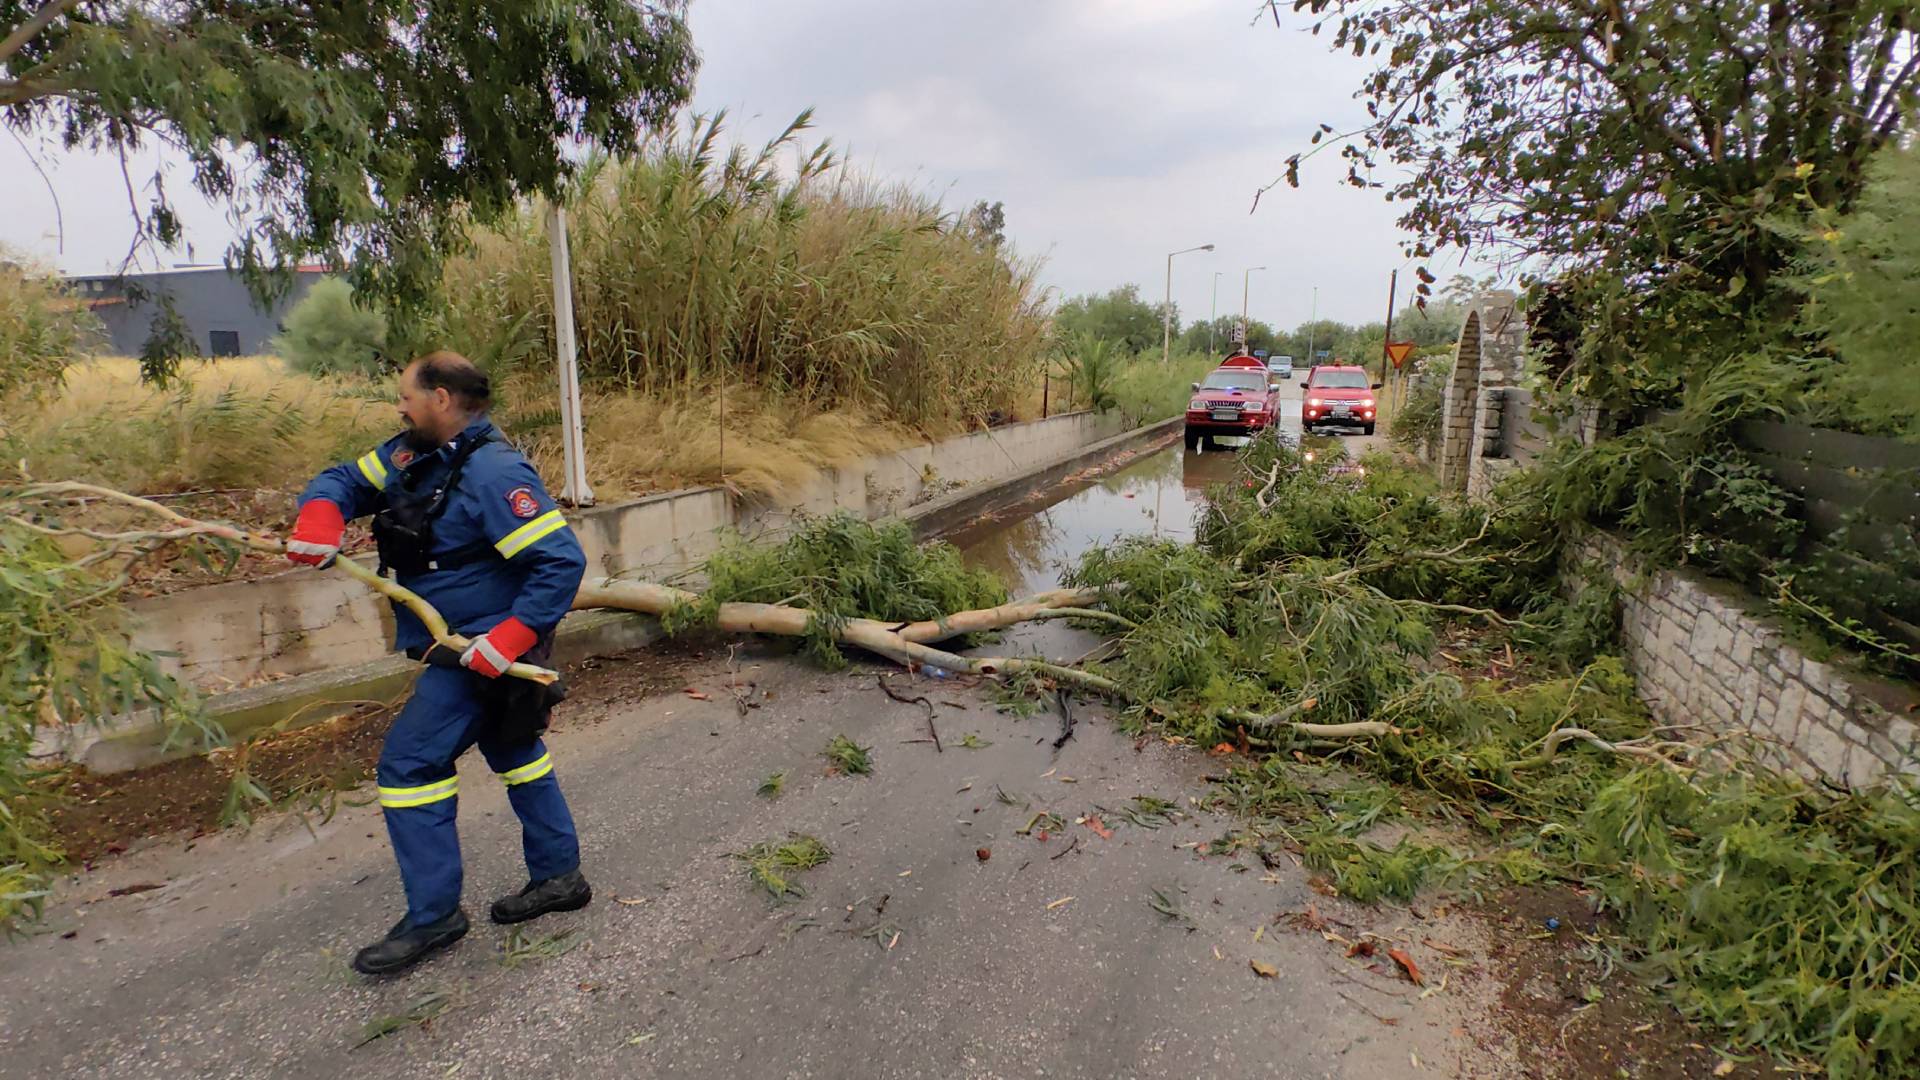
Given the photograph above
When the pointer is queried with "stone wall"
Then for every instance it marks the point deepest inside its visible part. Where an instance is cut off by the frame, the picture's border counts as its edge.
(1702, 654)
(1487, 358)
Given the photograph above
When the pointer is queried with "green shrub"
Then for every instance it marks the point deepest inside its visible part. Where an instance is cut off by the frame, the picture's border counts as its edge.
(1861, 299)
(327, 334)
(43, 328)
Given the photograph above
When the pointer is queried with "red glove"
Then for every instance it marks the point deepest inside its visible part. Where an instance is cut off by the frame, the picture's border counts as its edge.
(492, 653)
(316, 533)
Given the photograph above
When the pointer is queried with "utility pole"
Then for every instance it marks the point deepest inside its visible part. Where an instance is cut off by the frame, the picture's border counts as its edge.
(1166, 309)
(1393, 285)
(1311, 319)
(574, 490)
(1245, 285)
(1214, 324)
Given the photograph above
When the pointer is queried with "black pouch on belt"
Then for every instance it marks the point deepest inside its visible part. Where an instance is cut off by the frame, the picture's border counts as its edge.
(521, 707)
(517, 709)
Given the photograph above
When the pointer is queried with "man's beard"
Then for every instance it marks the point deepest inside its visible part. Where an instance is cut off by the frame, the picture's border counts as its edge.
(420, 440)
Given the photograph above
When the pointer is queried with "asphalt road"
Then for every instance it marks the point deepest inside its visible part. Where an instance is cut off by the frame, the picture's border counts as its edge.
(909, 956)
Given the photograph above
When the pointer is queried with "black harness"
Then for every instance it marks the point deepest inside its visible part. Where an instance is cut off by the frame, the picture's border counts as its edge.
(403, 531)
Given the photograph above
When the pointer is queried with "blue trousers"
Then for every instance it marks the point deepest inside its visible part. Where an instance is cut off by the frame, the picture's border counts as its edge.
(419, 791)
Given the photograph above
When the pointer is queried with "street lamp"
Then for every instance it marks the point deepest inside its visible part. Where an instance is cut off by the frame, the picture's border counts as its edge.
(1247, 331)
(1166, 310)
(1245, 279)
(1214, 323)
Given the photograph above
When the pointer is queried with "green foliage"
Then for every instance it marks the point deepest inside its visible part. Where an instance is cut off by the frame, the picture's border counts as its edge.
(1090, 365)
(849, 757)
(43, 328)
(65, 659)
(772, 786)
(1417, 424)
(327, 334)
(696, 263)
(1781, 914)
(1643, 155)
(1367, 873)
(1145, 390)
(1859, 285)
(771, 864)
(841, 567)
(1120, 316)
(347, 117)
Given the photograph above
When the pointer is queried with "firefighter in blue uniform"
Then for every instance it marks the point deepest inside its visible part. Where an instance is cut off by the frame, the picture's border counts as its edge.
(462, 519)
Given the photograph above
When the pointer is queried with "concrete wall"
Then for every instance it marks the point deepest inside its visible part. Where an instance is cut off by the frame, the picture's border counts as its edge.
(207, 301)
(299, 622)
(1701, 654)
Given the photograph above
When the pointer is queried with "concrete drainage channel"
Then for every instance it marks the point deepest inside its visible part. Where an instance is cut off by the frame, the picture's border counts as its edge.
(140, 739)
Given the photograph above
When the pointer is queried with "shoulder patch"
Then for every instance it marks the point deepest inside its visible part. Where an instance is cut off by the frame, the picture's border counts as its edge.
(521, 501)
(403, 457)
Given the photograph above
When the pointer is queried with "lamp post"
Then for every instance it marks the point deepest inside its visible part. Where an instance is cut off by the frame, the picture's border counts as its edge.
(1166, 310)
(1246, 330)
(1214, 323)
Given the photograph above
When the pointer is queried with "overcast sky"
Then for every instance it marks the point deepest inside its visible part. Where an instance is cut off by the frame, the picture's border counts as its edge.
(1114, 131)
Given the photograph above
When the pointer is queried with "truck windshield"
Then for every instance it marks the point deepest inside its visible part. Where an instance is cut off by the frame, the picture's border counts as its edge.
(1341, 380)
(1232, 380)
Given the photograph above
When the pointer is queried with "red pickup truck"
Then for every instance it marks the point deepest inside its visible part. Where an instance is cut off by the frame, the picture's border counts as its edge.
(1234, 399)
(1337, 394)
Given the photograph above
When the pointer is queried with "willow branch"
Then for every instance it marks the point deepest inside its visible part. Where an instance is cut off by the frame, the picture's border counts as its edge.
(191, 528)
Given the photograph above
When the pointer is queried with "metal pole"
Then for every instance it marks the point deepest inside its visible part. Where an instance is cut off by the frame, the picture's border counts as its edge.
(1393, 284)
(1214, 324)
(573, 487)
(1310, 321)
(1245, 291)
(1166, 319)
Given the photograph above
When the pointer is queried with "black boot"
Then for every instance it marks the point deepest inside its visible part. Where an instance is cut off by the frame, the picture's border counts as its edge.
(403, 947)
(568, 892)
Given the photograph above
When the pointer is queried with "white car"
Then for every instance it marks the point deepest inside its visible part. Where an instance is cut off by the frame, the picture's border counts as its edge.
(1281, 366)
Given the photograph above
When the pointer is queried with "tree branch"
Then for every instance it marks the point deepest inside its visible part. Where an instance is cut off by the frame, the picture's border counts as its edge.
(30, 29)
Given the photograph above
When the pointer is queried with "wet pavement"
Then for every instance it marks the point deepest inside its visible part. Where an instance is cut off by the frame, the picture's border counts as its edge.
(1029, 546)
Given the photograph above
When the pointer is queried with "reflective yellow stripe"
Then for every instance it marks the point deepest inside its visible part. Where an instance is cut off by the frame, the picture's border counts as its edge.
(524, 537)
(372, 468)
(396, 798)
(532, 770)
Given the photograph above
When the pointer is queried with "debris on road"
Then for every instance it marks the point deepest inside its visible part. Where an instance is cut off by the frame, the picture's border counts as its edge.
(1264, 970)
(1407, 965)
(1062, 902)
(983, 854)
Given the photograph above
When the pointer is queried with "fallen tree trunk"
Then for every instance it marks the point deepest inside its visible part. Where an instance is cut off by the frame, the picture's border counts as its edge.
(910, 644)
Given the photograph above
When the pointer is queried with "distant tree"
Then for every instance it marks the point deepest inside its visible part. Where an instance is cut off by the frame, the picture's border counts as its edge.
(43, 328)
(986, 223)
(1195, 339)
(327, 335)
(1118, 315)
(369, 135)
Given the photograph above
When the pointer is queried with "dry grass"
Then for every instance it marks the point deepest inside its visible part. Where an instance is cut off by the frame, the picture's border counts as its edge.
(249, 423)
(239, 423)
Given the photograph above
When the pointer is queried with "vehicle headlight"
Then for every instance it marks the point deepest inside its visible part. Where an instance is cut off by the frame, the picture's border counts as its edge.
(1366, 403)
(1197, 405)
(1315, 401)
(1254, 406)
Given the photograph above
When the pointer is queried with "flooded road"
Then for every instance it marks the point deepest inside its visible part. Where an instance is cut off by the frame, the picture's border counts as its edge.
(1030, 546)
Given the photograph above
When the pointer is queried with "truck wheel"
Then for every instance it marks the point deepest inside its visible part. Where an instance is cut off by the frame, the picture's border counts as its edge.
(1366, 429)
(1193, 440)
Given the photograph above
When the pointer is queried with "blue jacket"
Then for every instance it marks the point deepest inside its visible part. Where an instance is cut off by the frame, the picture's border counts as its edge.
(498, 501)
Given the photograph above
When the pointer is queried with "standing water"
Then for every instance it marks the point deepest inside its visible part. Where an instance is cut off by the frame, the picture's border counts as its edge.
(1030, 546)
